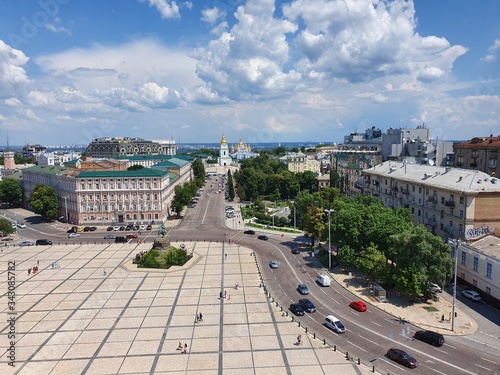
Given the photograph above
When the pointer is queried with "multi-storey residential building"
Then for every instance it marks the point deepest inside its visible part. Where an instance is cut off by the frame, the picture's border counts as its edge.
(478, 266)
(449, 201)
(480, 153)
(295, 161)
(56, 158)
(124, 146)
(32, 150)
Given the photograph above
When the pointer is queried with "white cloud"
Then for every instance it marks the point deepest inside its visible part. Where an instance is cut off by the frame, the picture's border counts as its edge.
(13, 102)
(494, 52)
(212, 15)
(56, 29)
(167, 8)
(12, 73)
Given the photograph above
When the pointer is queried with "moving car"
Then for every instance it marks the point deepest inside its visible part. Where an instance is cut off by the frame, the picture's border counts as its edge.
(401, 357)
(297, 309)
(43, 242)
(26, 243)
(249, 231)
(358, 305)
(21, 225)
(120, 239)
(109, 236)
(307, 305)
(302, 289)
(131, 235)
(273, 264)
(324, 280)
(262, 237)
(472, 295)
(430, 337)
(334, 324)
(73, 235)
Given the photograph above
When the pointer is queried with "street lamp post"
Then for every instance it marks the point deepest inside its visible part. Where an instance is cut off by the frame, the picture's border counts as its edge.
(456, 243)
(329, 211)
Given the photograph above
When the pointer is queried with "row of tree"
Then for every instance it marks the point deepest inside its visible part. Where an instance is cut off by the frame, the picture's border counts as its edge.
(184, 193)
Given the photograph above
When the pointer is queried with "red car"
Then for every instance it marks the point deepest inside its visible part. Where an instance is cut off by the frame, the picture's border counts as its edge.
(358, 305)
(131, 235)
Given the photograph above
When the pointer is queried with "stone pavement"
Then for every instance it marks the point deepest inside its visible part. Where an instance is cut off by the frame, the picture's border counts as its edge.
(97, 314)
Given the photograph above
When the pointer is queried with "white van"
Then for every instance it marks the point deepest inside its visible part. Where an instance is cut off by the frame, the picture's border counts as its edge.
(324, 280)
(335, 324)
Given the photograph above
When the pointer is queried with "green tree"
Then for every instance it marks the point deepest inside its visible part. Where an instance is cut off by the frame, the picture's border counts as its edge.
(372, 262)
(308, 181)
(230, 185)
(11, 191)
(314, 222)
(198, 170)
(135, 167)
(346, 256)
(43, 200)
(6, 227)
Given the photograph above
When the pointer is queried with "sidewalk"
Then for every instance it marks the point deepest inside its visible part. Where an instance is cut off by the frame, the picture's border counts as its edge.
(426, 315)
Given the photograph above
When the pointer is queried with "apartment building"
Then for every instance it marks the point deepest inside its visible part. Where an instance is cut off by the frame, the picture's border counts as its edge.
(295, 161)
(448, 201)
(480, 153)
(125, 146)
(478, 267)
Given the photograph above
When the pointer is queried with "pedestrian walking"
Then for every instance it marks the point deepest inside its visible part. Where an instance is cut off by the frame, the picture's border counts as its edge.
(29, 271)
(220, 295)
(442, 318)
(180, 346)
(225, 293)
(228, 297)
(104, 272)
(185, 348)
(225, 256)
(201, 317)
(299, 340)
(37, 262)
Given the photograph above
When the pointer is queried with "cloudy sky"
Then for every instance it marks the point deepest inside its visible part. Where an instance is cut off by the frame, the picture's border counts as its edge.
(262, 70)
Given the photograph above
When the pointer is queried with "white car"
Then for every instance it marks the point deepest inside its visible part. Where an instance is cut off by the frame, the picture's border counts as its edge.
(116, 228)
(472, 295)
(21, 225)
(434, 288)
(73, 235)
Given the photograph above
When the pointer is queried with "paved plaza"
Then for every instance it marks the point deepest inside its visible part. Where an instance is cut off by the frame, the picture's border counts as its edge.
(98, 314)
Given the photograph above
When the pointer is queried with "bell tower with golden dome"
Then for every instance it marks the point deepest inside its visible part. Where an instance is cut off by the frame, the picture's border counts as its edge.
(224, 157)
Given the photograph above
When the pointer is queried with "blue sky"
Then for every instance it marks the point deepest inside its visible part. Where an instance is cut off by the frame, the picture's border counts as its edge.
(260, 70)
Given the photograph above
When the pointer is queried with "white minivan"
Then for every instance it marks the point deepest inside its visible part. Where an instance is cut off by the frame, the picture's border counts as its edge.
(334, 323)
(324, 280)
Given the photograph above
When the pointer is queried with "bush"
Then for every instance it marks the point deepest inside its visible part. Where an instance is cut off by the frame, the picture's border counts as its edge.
(150, 259)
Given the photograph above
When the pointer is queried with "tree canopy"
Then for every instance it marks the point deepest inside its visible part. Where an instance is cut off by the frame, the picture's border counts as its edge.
(11, 191)
(6, 227)
(43, 200)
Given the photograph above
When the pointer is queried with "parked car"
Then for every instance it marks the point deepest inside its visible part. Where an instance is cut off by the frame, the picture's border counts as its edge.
(149, 227)
(43, 242)
(73, 235)
(131, 235)
(129, 227)
(273, 264)
(142, 227)
(358, 305)
(93, 229)
(297, 309)
(302, 289)
(26, 243)
(109, 229)
(434, 288)
(401, 357)
(116, 228)
(109, 237)
(472, 295)
(86, 229)
(430, 337)
(295, 250)
(263, 237)
(122, 228)
(334, 324)
(307, 305)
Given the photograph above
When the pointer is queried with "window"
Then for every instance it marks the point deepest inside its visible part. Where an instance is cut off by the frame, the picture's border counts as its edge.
(419, 190)
(426, 191)
(464, 258)
(97, 185)
(413, 188)
(461, 214)
(476, 264)
(442, 200)
(462, 200)
(419, 213)
(488, 290)
(489, 269)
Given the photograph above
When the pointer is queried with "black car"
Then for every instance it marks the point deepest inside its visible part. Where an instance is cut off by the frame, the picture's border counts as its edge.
(149, 227)
(86, 229)
(430, 337)
(401, 357)
(129, 227)
(93, 229)
(263, 237)
(122, 228)
(307, 305)
(109, 229)
(43, 242)
(295, 250)
(297, 309)
(249, 231)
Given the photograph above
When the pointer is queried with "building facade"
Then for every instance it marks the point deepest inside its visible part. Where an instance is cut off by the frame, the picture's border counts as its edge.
(125, 146)
(480, 153)
(56, 158)
(295, 161)
(448, 201)
(242, 151)
(33, 150)
(224, 158)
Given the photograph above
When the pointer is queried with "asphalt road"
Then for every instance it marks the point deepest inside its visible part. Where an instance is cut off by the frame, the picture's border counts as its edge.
(368, 334)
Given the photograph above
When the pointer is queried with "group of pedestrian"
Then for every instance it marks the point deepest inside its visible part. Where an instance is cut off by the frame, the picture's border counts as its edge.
(223, 296)
(182, 348)
(34, 270)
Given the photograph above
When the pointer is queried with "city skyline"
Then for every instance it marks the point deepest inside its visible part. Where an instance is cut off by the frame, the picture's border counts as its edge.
(261, 70)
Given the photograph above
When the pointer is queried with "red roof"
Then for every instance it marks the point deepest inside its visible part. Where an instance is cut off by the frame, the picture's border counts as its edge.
(480, 142)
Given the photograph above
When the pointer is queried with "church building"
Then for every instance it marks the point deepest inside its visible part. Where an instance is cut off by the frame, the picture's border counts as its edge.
(224, 158)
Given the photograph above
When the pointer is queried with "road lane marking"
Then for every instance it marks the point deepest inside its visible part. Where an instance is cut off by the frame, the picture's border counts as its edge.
(488, 360)
(376, 324)
(359, 347)
(439, 372)
(373, 342)
(451, 346)
(442, 351)
(486, 368)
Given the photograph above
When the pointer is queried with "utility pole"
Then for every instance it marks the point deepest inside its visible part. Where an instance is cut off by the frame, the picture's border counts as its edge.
(66, 210)
(329, 211)
(457, 243)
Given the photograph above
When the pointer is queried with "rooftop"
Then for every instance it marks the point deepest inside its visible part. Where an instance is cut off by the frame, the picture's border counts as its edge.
(464, 180)
(144, 172)
(481, 142)
(489, 245)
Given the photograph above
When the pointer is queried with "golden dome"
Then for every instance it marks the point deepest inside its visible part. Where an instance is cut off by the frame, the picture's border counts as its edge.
(223, 140)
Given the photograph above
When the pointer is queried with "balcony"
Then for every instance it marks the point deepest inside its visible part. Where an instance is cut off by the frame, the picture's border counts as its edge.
(405, 191)
(432, 199)
(450, 203)
(430, 221)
